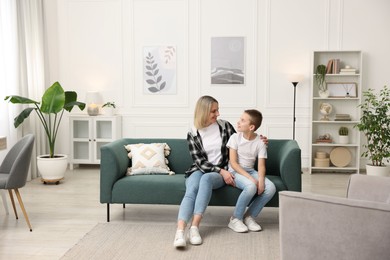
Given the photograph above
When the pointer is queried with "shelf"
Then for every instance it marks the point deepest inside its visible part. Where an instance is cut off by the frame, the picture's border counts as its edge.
(334, 145)
(337, 98)
(334, 122)
(340, 75)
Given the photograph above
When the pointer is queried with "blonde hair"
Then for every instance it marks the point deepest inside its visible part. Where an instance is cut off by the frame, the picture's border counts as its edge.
(202, 111)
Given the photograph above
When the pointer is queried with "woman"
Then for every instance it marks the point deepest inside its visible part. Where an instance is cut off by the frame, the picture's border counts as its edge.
(207, 144)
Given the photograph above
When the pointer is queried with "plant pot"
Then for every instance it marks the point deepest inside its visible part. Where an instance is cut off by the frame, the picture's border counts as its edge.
(52, 170)
(378, 170)
(323, 94)
(343, 139)
(108, 111)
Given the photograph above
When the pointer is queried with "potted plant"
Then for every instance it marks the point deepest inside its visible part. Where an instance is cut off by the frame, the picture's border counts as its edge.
(55, 101)
(343, 135)
(320, 74)
(109, 108)
(375, 125)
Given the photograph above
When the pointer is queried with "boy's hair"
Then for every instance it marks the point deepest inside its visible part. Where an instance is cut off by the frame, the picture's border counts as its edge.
(255, 117)
(202, 111)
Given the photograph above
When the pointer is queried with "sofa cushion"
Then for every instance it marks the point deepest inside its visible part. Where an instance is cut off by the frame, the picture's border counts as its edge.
(148, 158)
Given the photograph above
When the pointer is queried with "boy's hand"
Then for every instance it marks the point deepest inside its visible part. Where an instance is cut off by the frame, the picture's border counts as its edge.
(260, 187)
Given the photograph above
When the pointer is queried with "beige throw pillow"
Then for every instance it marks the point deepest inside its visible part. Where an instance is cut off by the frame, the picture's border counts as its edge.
(148, 158)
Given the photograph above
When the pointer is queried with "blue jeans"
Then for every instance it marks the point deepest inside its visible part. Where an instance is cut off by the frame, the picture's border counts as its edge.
(199, 187)
(249, 190)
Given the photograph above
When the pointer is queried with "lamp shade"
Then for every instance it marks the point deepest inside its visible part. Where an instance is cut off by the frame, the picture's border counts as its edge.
(94, 101)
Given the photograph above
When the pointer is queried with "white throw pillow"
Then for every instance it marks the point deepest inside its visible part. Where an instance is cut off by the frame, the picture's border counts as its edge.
(148, 158)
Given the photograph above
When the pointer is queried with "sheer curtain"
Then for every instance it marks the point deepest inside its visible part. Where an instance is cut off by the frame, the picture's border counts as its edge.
(22, 68)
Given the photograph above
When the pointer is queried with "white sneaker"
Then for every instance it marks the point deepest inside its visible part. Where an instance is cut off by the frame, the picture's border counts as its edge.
(179, 239)
(251, 224)
(194, 236)
(237, 225)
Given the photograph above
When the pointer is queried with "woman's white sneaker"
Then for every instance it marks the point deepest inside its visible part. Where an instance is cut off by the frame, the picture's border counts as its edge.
(251, 224)
(194, 236)
(180, 240)
(237, 225)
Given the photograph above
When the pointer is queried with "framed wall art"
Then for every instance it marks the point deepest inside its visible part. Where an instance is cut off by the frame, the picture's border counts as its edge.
(227, 60)
(342, 89)
(159, 70)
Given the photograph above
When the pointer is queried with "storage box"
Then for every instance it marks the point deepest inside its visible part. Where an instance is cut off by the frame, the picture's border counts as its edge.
(321, 155)
(321, 162)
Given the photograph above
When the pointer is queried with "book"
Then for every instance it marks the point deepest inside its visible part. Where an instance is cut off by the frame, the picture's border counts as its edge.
(329, 67)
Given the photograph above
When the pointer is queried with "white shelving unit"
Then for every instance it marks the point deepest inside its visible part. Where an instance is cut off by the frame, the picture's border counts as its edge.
(88, 134)
(341, 105)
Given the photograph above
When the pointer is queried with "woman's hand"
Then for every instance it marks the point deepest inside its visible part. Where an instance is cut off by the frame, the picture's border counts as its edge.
(264, 139)
(228, 177)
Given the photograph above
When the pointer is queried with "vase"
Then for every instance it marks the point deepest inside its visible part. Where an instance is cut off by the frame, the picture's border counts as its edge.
(323, 93)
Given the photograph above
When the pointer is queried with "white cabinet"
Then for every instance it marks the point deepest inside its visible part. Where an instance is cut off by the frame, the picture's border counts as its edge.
(343, 157)
(88, 134)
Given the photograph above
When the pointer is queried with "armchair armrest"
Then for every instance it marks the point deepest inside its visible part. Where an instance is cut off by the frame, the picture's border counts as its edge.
(323, 227)
(284, 159)
(113, 166)
(371, 188)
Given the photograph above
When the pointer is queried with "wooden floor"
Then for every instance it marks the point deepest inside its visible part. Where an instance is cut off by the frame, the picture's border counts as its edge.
(62, 214)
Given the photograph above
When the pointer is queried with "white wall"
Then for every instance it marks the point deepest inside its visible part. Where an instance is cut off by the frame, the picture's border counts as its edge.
(96, 45)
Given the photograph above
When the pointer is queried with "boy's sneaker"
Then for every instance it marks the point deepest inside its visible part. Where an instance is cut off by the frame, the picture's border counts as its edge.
(237, 225)
(179, 239)
(194, 236)
(251, 224)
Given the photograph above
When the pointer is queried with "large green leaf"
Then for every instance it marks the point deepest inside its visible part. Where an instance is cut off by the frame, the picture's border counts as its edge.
(53, 99)
(23, 115)
(20, 100)
(70, 101)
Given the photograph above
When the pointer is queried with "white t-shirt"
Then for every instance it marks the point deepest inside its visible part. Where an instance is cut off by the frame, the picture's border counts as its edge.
(212, 142)
(247, 150)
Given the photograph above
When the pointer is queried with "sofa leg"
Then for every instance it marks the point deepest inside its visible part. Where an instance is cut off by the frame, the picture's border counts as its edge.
(108, 212)
(124, 205)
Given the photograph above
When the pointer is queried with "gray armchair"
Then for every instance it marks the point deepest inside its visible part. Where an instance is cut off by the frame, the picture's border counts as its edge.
(14, 170)
(323, 227)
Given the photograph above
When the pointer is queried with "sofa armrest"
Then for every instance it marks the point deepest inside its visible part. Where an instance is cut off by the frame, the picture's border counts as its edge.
(113, 166)
(284, 157)
(371, 188)
(323, 227)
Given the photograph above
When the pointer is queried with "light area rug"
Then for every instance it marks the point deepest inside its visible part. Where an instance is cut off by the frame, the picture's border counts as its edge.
(155, 241)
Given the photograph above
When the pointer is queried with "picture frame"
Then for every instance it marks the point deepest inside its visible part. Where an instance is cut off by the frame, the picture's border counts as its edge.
(342, 89)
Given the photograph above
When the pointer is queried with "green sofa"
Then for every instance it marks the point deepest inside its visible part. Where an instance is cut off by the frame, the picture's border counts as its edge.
(283, 169)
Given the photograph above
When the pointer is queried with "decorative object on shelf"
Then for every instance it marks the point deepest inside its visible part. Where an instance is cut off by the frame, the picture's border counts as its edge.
(342, 117)
(109, 108)
(347, 70)
(321, 159)
(325, 110)
(94, 101)
(3, 142)
(326, 138)
(375, 125)
(343, 135)
(320, 79)
(295, 79)
(340, 156)
(342, 89)
(55, 101)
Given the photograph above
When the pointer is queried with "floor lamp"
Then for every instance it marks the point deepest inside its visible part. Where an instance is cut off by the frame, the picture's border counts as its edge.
(295, 83)
(295, 79)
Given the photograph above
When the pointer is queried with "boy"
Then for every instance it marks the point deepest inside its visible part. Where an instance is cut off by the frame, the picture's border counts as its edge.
(245, 147)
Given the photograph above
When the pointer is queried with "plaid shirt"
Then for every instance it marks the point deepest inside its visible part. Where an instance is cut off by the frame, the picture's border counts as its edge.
(199, 155)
